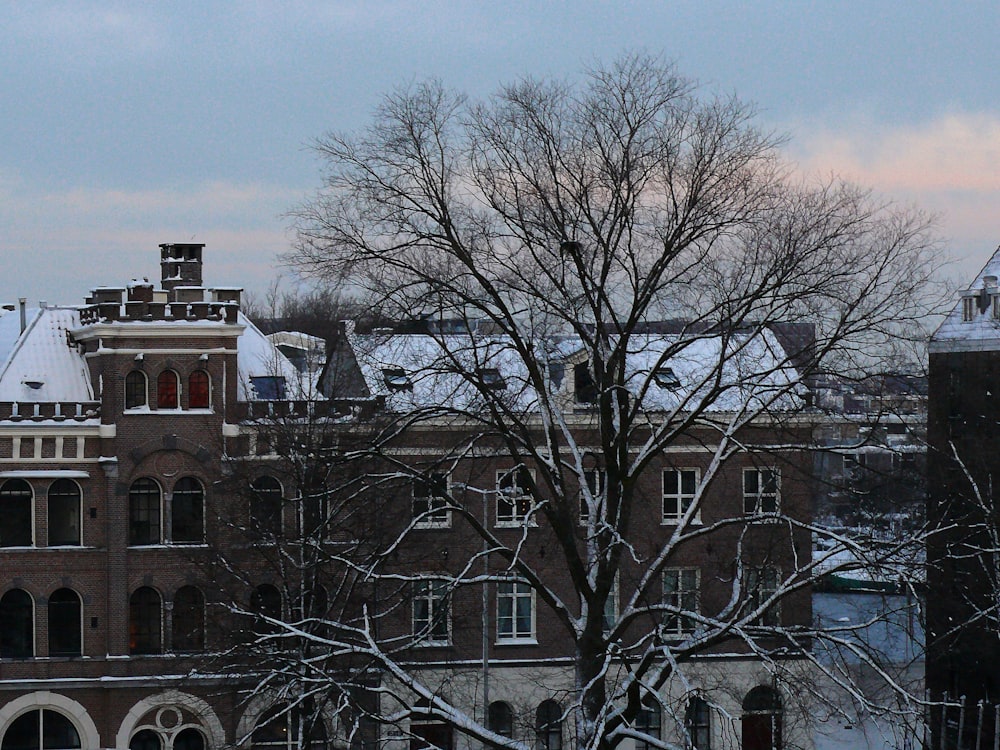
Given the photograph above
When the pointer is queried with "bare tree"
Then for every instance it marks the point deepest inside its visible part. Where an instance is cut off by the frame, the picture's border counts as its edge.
(609, 274)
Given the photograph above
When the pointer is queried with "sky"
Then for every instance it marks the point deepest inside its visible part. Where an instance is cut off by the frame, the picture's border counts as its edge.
(125, 125)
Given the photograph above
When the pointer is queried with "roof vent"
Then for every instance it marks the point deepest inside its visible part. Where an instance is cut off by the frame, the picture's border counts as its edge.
(33, 384)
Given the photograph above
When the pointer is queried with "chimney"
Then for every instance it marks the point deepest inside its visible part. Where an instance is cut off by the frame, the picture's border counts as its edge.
(22, 302)
(180, 265)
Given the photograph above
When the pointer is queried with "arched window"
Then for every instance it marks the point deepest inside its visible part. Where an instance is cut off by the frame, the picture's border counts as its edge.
(65, 624)
(17, 626)
(144, 512)
(16, 499)
(287, 728)
(266, 601)
(199, 390)
(762, 714)
(136, 391)
(189, 739)
(265, 506)
(145, 739)
(698, 723)
(648, 722)
(64, 513)
(188, 621)
(144, 622)
(500, 719)
(187, 512)
(41, 728)
(548, 726)
(166, 390)
(315, 602)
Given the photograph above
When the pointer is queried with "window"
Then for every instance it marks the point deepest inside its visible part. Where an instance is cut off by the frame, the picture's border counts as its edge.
(188, 623)
(762, 714)
(596, 480)
(500, 719)
(65, 624)
(648, 722)
(64, 513)
(266, 601)
(514, 499)
(145, 739)
(283, 728)
(760, 491)
(697, 724)
(680, 598)
(492, 379)
(187, 512)
(515, 611)
(199, 390)
(396, 379)
(17, 626)
(548, 726)
(144, 512)
(584, 389)
(431, 612)
(968, 308)
(136, 390)
(665, 377)
(144, 622)
(265, 506)
(166, 390)
(761, 585)
(41, 728)
(679, 488)
(430, 500)
(16, 501)
(610, 614)
(189, 739)
(268, 387)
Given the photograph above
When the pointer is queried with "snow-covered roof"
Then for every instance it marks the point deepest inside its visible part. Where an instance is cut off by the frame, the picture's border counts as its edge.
(39, 366)
(982, 332)
(415, 370)
(258, 358)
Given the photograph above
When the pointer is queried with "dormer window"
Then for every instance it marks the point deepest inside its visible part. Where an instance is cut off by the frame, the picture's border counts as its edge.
(396, 379)
(492, 379)
(968, 308)
(666, 378)
(268, 387)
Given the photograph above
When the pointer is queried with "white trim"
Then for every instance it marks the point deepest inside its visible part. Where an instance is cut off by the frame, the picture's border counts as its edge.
(44, 474)
(76, 713)
(209, 721)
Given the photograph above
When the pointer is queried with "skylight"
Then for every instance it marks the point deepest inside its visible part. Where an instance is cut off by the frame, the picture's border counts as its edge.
(666, 378)
(491, 378)
(396, 379)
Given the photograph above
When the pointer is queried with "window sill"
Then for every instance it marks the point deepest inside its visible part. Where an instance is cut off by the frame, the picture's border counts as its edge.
(516, 524)
(671, 521)
(432, 644)
(516, 642)
(432, 525)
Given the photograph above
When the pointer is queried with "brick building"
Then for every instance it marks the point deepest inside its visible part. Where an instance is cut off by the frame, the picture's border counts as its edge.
(963, 627)
(151, 446)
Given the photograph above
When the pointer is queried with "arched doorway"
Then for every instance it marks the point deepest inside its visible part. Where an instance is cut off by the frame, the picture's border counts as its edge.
(762, 715)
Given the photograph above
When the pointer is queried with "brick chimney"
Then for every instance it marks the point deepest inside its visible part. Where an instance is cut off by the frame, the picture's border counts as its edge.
(180, 265)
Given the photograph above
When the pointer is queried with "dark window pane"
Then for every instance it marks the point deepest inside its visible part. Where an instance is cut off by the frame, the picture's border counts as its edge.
(166, 390)
(145, 739)
(187, 516)
(189, 620)
(24, 732)
(16, 625)
(135, 390)
(265, 506)
(268, 387)
(189, 739)
(58, 732)
(144, 622)
(15, 508)
(144, 512)
(64, 623)
(199, 391)
(64, 513)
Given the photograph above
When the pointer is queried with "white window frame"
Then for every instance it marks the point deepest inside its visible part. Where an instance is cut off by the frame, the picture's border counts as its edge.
(518, 591)
(683, 597)
(752, 500)
(437, 514)
(680, 500)
(597, 489)
(434, 593)
(515, 519)
(757, 593)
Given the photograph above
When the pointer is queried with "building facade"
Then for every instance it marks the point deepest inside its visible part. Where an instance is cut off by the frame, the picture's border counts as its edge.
(174, 487)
